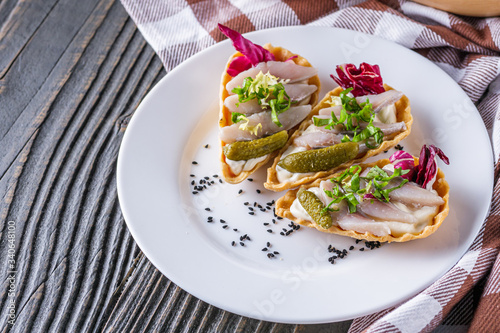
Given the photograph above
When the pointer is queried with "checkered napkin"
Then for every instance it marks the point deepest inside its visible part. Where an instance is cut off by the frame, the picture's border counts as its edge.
(468, 296)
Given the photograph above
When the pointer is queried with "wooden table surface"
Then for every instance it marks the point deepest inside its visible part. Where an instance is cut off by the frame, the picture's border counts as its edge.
(72, 73)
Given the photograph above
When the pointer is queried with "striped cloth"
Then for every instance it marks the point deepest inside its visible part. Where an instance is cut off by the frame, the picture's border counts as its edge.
(468, 296)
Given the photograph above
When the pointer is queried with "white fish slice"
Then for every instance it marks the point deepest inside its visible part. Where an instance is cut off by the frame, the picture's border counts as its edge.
(283, 70)
(361, 224)
(296, 92)
(412, 194)
(381, 100)
(318, 139)
(385, 211)
(288, 119)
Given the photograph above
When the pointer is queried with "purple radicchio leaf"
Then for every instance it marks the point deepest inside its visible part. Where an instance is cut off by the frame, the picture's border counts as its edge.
(426, 170)
(238, 65)
(405, 161)
(364, 81)
(252, 52)
(369, 196)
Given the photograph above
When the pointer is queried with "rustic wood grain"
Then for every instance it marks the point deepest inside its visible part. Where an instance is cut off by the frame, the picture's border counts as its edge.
(71, 75)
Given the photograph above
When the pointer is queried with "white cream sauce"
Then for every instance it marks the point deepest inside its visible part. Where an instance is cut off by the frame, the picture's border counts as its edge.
(239, 166)
(387, 115)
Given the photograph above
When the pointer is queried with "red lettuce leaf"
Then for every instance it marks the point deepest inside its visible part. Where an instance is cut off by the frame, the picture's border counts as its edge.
(252, 52)
(238, 65)
(405, 161)
(369, 196)
(426, 170)
(365, 81)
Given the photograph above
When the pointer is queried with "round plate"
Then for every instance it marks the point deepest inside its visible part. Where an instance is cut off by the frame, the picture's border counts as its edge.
(177, 123)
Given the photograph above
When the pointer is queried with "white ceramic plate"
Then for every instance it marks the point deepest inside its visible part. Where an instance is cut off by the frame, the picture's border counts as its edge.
(179, 117)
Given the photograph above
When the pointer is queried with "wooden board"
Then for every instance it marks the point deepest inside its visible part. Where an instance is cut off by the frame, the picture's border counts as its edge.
(71, 75)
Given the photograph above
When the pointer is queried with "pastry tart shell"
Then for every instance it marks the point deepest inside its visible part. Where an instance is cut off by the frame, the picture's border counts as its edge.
(280, 54)
(403, 113)
(440, 186)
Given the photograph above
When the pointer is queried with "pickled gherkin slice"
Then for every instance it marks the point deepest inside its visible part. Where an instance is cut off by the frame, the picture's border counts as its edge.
(320, 159)
(314, 206)
(245, 150)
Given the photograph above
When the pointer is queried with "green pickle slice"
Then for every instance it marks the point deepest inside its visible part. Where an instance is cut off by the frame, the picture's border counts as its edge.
(245, 150)
(323, 159)
(313, 206)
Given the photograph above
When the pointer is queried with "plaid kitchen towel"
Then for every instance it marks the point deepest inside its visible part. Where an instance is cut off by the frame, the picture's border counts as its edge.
(468, 296)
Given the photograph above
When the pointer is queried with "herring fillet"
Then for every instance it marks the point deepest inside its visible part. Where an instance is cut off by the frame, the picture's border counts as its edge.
(361, 224)
(412, 194)
(296, 92)
(317, 139)
(378, 102)
(283, 70)
(381, 100)
(385, 211)
(288, 119)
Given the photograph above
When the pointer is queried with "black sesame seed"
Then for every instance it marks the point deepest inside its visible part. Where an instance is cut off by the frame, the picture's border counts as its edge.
(191, 175)
(215, 176)
(242, 238)
(194, 192)
(251, 213)
(262, 210)
(255, 204)
(268, 244)
(358, 240)
(225, 226)
(266, 224)
(270, 255)
(362, 249)
(250, 209)
(264, 249)
(220, 181)
(267, 207)
(246, 203)
(222, 221)
(207, 209)
(250, 179)
(240, 191)
(351, 248)
(279, 218)
(258, 191)
(235, 229)
(233, 243)
(194, 162)
(276, 252)
(242, 244)
(206, 177)
(282, 233)
(269, 231)
(206, 146)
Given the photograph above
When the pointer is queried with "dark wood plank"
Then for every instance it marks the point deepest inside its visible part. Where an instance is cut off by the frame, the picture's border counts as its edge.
(73, 73)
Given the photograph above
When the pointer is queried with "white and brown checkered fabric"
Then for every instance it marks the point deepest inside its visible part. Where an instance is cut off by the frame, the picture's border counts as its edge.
(468, 296)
